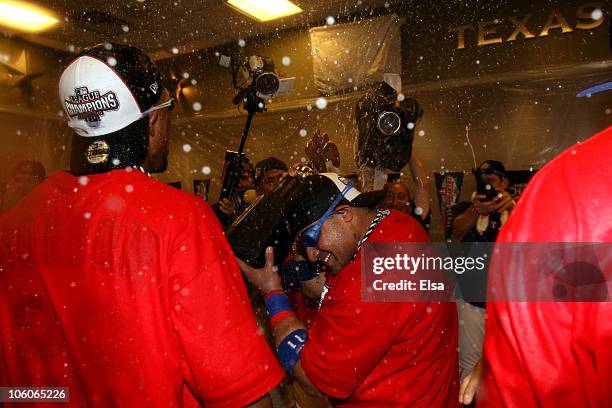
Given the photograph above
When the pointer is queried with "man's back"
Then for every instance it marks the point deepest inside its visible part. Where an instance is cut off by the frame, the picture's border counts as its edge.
(567, 343)
(122, 289)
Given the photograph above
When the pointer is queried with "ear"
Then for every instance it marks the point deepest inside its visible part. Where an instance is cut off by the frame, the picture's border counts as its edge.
(348, 212)
(153, 119)
(505, 183)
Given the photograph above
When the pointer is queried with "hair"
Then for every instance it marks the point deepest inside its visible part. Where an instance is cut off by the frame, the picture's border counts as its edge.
(397, 182)
(265, 165)
(497, 166)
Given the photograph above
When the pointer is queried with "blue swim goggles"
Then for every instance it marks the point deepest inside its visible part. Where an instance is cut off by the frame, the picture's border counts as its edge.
(310, 236)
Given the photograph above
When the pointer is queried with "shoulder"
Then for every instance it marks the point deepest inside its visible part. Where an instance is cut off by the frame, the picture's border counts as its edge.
(581, 161)
(399, 227)
(147, 197)
(162, 194)
(580, 168)
(553, 205)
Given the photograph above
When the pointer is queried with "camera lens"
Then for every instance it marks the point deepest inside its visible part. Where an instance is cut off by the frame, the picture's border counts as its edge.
(267, 83)
(388, 123)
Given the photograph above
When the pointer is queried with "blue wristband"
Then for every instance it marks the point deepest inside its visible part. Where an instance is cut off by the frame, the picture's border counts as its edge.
(290, 348)
(277, 303)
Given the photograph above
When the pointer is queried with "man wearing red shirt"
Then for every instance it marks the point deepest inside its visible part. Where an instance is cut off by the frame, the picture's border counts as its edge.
(113, 284)
(359, 353)
(555, 354)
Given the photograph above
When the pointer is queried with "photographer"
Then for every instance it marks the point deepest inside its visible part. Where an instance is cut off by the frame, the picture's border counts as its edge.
(228, 209)
(479, 221)
(482, 219)
(268, 174)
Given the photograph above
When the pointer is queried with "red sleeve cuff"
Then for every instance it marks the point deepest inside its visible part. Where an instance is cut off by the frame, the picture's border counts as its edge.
(272, 293)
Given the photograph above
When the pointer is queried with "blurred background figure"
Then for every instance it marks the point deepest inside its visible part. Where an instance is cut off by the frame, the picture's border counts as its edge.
(322, 153)
(480, 219)
(245, 194)
(228, 209)
(247, 179)
(268, 174)
(27, 174)
(398, 195)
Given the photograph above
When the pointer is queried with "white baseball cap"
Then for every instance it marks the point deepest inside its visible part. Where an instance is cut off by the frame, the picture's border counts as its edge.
(97, 101)
(104, 93)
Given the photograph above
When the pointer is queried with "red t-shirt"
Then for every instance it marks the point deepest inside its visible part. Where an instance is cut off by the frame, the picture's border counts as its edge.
(125, 290)
(383, 353)
(555, 354)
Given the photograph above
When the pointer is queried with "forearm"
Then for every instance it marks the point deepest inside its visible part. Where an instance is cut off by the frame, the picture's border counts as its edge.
(290, 334)
(305, 383)
(284, 329)
(421, 181)
(463, 223)
(419, 175)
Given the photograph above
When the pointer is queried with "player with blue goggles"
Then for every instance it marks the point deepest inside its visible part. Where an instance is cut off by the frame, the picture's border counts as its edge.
(310, 236)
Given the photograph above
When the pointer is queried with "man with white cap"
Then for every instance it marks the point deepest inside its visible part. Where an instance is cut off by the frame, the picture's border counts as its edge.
(114, 285)
(356, 352)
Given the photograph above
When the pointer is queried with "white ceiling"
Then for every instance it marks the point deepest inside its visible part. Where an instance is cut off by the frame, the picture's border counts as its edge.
(158, 26)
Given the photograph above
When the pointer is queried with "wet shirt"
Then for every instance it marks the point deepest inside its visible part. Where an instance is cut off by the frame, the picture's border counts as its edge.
(489, 235)
(124, 290)
(383, 353)
(553, 354)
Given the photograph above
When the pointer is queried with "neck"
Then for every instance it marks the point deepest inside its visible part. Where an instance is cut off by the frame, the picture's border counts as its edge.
(366, 216)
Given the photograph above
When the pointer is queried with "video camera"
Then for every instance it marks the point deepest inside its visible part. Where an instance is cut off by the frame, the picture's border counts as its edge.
(263, 224)
(386, 128)
(254, 75)
(254, 78)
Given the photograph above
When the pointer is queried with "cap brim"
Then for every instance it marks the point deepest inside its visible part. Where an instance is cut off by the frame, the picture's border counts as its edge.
(370, 199)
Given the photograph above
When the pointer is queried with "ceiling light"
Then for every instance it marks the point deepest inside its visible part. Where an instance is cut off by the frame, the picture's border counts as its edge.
(265, 10)
(23, 16)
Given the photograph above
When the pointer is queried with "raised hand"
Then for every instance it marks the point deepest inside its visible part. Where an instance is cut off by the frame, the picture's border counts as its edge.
(319, 150)
(265, 279)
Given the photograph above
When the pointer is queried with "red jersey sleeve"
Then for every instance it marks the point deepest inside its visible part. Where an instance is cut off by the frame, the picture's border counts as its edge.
(227, 362)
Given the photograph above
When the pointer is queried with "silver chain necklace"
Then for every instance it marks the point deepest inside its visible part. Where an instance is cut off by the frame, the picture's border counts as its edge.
(141, 169)
(380, 215)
